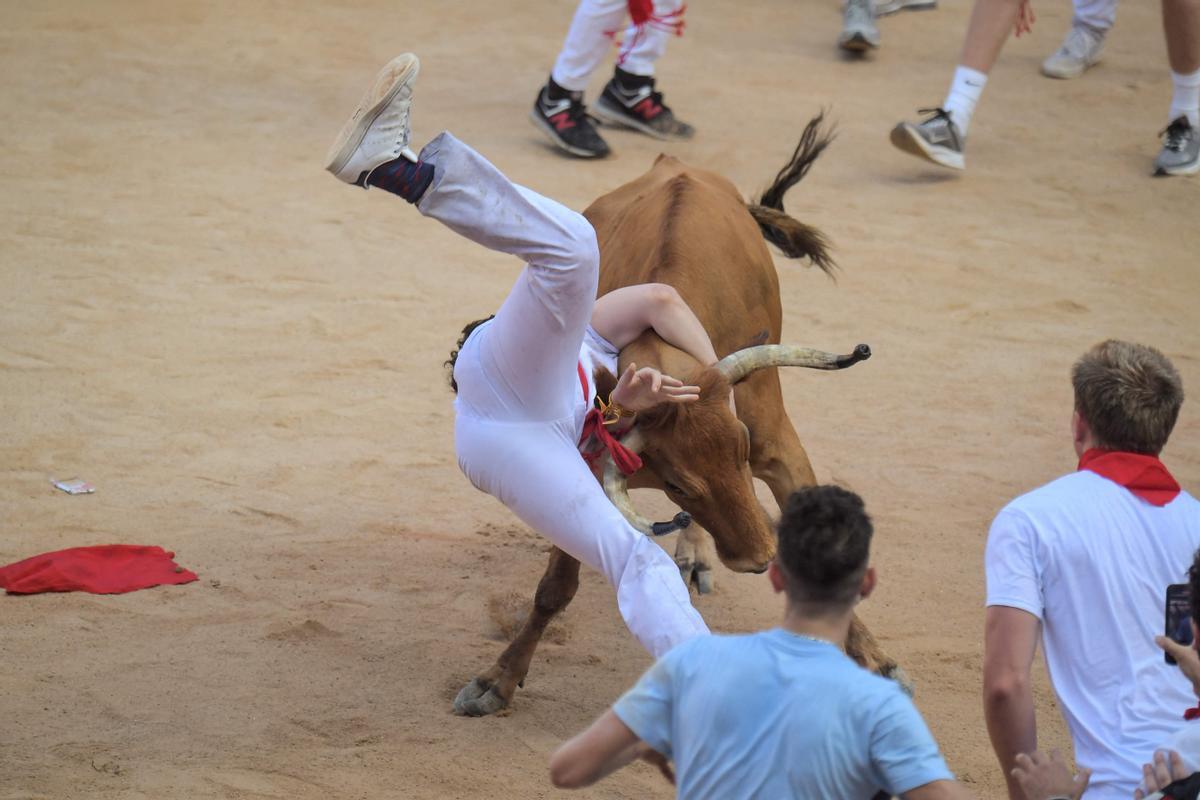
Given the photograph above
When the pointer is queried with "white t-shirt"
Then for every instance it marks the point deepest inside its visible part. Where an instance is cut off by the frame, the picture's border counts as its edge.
(595, 352)
(1092, 561)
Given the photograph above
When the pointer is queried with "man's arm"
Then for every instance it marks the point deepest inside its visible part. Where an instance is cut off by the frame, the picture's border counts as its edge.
(1010, 641)
(624, 314)
(939, 790)
(599, 751)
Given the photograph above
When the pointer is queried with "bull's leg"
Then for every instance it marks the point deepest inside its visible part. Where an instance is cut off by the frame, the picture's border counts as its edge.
(695, 555)
(493, 690)
(863, 648)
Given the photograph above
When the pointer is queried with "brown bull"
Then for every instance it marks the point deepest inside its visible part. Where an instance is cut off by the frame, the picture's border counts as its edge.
(690, 228)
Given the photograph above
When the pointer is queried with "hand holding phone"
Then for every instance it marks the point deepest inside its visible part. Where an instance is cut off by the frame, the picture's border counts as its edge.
(1178, 627)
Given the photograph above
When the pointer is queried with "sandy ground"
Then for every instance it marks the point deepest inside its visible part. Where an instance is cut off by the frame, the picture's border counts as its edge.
(245, 357)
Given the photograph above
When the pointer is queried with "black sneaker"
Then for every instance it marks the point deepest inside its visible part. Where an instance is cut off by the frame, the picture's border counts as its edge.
(630, 100)
(567, 124)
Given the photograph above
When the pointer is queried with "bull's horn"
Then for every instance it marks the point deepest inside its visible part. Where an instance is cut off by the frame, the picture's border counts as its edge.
(617, 489)
(739, 364)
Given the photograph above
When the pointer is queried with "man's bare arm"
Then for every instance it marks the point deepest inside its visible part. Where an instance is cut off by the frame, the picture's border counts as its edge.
(1010, 642)
(606, 746)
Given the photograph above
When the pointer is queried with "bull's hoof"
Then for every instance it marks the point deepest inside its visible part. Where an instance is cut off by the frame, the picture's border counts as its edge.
(698, 574)
(898, 675)
(477, 699)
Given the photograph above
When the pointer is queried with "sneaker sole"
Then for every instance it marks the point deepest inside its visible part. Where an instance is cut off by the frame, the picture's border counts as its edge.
(604, 111)
(908, 140)
(399, 72)
(1067, 74)
(545, 127)
(1186, 169)
(857, 43)
(883, 9)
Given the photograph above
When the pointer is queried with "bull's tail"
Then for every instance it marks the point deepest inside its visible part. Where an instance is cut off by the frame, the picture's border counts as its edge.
(793, 237)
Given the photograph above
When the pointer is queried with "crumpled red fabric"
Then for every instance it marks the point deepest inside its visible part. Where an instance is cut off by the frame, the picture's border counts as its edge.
(626, 460)
(1141, 474)
(102, 569)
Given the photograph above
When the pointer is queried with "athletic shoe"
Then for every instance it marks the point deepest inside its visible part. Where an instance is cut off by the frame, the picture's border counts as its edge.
(1080, 50)
(378, 130)
(859, 33)
(640, 108)
(885, 7)
(567, 124)
(936, 139)
(1181, 149)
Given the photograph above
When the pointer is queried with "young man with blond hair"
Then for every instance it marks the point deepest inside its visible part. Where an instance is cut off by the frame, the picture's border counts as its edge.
(1083, 563)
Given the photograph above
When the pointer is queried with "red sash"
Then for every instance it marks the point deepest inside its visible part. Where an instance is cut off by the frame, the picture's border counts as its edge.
(593, 425)
(1141, 474)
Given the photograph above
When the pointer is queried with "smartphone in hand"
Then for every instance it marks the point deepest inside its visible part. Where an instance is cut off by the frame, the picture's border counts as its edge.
(1179, 616)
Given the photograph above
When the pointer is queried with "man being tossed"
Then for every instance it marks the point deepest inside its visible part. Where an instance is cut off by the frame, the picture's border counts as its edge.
(784, 712)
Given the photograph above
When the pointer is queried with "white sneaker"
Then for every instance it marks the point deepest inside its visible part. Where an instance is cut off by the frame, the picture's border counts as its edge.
(1080, 50)
(378, 130)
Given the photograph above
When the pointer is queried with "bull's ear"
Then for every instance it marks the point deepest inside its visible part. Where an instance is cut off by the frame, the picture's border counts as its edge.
(605, 382)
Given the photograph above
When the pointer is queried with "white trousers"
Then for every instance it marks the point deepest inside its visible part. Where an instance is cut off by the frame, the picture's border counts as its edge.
(588, 42)
(515, 423)
(1099, 14)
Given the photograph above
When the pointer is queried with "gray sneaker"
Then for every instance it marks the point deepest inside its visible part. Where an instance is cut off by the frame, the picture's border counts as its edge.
(935, 139)
(1181, 149)
(1080, 50)
(859, 33)
(885, 7)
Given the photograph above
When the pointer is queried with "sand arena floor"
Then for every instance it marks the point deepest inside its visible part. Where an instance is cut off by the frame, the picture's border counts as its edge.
(245, 357)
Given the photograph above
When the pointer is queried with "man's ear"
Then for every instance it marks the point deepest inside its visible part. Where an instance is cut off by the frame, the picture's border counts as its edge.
(1081, 433)
(868, 584)
(775, 576)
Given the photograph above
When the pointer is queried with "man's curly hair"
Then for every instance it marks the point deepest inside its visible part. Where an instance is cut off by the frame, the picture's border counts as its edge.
(824, 545)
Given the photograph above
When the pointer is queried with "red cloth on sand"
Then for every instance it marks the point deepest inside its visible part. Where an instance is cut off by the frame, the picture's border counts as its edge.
(103, 569)
(1143, 475)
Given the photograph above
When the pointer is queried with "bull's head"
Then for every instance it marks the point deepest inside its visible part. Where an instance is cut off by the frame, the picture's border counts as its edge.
(699, 454)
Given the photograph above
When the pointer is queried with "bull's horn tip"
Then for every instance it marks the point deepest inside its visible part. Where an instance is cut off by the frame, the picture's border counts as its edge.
(682, 520)
(863, 351)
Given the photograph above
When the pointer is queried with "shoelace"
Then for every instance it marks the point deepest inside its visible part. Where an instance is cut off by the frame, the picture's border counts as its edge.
(1177, 134)
(941, 114)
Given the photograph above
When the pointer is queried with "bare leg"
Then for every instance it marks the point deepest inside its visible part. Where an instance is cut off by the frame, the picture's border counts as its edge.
(1181, 22)
(493, 690)
(991, 22)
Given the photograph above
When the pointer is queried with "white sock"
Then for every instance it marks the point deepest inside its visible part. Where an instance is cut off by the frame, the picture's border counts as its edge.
(1185, 101)
(964, 94)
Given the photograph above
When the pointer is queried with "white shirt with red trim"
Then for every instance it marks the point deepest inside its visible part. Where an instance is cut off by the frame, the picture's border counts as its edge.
(1092, 561)
(595, 352)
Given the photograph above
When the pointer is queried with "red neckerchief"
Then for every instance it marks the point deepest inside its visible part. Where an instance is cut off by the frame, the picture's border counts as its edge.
(593, 425)
(1141, 474)
(1191, 713)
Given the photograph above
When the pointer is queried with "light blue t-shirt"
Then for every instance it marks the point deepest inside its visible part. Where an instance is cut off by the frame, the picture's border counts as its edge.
(776, 715)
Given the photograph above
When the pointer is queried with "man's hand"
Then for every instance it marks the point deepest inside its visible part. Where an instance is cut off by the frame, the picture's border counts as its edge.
(1187, 658)
(1044, 776)
(1025, 19)
(640, 389)
(1167, 768)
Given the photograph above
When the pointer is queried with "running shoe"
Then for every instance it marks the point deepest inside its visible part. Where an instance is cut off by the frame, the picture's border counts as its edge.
(631, 100)
(378, 130)
(567, 124)
(1181, 149)
(935, 139)
(885, 7)
(859, 33)
(1080, 50)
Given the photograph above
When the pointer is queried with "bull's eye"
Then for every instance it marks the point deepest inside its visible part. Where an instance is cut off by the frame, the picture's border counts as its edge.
(672, 488)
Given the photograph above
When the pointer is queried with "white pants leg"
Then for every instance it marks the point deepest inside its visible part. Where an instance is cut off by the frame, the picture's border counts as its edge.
(641, 49)
(587, 43)
(517, 384)
(1099, 14)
